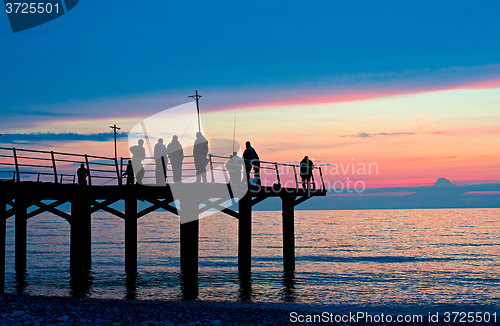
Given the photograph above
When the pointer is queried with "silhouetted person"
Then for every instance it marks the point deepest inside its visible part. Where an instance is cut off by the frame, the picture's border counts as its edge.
(306, 171)
(251, 159)
(234, 166)
(160, 154)
(200, 151)
(138, 154)
(129, 173)
(176, 156)
(82, 173)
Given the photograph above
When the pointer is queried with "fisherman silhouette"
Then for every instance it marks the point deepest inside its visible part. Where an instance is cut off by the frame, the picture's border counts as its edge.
(138, 154)
(306, 171)
(82, 173)
(251, 159)
(176, 156)
(234, 166)
(200, 151)
(160, 154)
(129, 173)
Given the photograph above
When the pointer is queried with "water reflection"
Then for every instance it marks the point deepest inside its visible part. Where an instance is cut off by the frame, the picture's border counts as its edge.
(131, 285)
(245, 291)
(20, 282)
(189, 285)
(288, 289)
(81, 283)
(368, 257)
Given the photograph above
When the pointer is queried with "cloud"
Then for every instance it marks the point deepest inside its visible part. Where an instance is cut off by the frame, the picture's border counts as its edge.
(59, 137)
(483, 131)
(366, 135)
(338, 89)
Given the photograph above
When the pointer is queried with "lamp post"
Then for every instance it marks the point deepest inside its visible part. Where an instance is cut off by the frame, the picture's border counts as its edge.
(115, 130)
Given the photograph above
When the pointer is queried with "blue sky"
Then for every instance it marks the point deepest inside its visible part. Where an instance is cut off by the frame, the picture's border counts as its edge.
(106, 49)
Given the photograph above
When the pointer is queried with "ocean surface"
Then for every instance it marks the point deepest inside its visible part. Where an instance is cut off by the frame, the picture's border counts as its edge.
(378, 257)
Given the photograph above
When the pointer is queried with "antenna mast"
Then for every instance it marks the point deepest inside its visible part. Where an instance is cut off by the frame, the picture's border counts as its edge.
(197, 97)
(115, 130)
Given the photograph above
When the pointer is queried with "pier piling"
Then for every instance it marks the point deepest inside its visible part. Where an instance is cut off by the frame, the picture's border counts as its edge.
(288, 211)
(189, 238)
(245, 234)
(81, 235)
(131, 235)
(21, 235)
(3, 211)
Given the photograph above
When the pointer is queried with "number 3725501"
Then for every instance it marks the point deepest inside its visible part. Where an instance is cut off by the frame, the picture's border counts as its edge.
(31, 8)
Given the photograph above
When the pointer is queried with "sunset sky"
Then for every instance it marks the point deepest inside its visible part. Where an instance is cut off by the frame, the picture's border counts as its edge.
(412, 87)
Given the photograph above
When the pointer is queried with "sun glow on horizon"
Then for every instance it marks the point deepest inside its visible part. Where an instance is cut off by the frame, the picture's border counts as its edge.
(414, 138)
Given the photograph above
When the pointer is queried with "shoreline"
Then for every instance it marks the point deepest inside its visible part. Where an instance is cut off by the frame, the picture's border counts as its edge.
(20, 309)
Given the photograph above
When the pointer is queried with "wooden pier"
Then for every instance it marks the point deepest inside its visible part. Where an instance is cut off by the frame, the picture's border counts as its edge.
(18, 196)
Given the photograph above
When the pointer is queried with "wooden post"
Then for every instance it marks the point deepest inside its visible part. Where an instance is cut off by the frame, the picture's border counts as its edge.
(288, 207)
(54, 167)
(277, 173)
(118, 174)
(245, 234)
(81, 234)
(189, 237)
(322, 181)
(20, 231)
(131, 235)
(18, 178)
(3, 211)
(88, 169)
(296, 180)
(212, 168)
(121, 170)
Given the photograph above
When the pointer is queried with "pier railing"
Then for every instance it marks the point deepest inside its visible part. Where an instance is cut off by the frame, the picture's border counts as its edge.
(58, 167)
(271, 173)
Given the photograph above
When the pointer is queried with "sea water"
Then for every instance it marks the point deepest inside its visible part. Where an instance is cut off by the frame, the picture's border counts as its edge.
(364, 257)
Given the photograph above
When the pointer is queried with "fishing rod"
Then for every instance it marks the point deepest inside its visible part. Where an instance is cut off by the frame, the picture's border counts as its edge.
(146, 137)
(186, 130)
(234, 131)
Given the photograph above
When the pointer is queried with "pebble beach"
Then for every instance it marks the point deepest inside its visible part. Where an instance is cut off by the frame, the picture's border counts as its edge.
(34, 310)
(25, 310)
